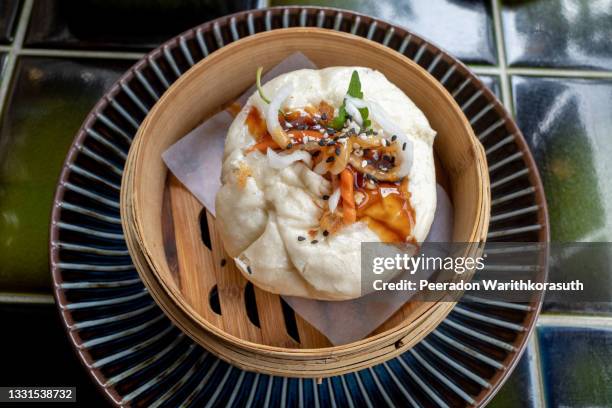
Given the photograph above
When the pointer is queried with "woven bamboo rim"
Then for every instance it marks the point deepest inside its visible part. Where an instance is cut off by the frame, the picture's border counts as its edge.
(144, 179)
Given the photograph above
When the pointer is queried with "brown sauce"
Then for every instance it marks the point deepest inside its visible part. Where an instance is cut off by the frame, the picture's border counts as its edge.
(386, 209)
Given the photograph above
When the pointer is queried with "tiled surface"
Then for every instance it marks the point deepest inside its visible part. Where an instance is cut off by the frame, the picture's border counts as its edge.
(566, 120)
(464, 28)
(46, 105)
(559, 33)
(567, 124)
(9, 9)
(576, 366)
(35, 351)
(492, 82)
(520, 390)
(120, 24)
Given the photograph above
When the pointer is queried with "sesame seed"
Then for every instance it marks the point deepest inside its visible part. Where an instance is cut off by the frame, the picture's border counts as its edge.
(325, 233)
(325, 197)
(322, 142)
(314, 241)
(364, 163)
(249, 270)
(301, 238)
(363, 137)
(404, 146)
(359, 197)
(330, 159)
(321, 130)
(331, 142)
(337, 151)
(324, 116)
(223, 262)
(393, 138)
(290, 145)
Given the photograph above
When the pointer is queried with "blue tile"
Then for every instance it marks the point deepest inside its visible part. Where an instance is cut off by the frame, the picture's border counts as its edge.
(576, 366)
(558, 33)
(522, 388)
(492, 82)
(464, 28)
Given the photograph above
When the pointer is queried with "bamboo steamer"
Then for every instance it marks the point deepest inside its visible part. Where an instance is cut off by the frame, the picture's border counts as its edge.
(158, 213)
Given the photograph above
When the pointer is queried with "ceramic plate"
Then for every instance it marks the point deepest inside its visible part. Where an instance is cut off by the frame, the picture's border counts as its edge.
(140, 358)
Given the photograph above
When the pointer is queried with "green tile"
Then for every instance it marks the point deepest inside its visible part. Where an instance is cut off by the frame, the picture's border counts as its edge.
(48, 101)
(567, 124)
(521, 389)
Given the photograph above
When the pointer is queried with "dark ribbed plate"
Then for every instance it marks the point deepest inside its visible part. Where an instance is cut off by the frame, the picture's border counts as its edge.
(140, 358)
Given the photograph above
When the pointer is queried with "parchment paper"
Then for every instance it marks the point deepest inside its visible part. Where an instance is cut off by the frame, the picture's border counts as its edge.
(196, 161)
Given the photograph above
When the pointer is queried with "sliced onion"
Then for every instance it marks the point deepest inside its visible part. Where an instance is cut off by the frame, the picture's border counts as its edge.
(334, 199)
(277, 161)
(321, 167)
(354, 112)
(358, 103)
(378, 114)
(274, 127)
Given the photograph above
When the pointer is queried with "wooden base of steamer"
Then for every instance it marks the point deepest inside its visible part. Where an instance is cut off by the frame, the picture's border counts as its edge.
(199, 270)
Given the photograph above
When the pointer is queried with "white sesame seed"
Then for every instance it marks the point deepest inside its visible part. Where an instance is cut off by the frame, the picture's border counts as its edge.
(364, 163)
(363, 136)
(359, 197)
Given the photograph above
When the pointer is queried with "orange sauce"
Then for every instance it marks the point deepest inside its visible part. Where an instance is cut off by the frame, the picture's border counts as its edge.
(256, 124)
(386, 209)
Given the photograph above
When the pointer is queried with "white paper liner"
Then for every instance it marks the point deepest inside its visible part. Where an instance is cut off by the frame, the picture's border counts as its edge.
(196, 161)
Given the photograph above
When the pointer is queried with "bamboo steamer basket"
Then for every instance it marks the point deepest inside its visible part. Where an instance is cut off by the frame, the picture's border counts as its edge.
(162, 220)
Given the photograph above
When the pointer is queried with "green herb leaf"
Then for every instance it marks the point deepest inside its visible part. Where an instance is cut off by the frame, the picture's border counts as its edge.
(365, 113)
(338, 122)
(354, 88)
(259, 88)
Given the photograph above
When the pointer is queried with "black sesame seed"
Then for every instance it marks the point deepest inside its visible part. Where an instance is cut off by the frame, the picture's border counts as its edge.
(301, 238)
(325, 233)
(249, 270)
(331, 143)
(324, 116)
(325, 197)
(290, 145)
(223, 262)
(393, 138)
(330, 159)
(315, 154)
(322, 142)
(337, 151)
(404, 146)
(314, 241)
(331, 131)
